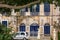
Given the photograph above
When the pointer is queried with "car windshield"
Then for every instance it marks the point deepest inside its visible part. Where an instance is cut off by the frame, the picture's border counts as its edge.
(22, 33)
(17, 33)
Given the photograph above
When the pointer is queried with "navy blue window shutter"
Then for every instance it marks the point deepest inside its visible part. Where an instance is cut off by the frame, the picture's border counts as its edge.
(31, 9)
(46, 29)
(4, 23)
(37, 8)
(46, 7)
(34, 30)
(26, 9)
(22, 28)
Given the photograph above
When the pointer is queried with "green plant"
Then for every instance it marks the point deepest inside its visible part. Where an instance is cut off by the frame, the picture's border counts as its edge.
(58, 35)
(5, 33)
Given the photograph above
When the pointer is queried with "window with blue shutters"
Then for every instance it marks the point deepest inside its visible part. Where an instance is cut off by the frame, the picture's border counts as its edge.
(34, 10)
(46, 29)
(23, 11)
(37, 8)
(26, 9)
(22, 27)
(34, 29)
(4, 23)
(31, 9)
(47, 9)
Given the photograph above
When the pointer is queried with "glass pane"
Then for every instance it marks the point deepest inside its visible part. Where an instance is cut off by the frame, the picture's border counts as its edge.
(31, 9)
(37, 8)
(34, 29)
(26, 9)
(4, 23)
(46, 7)
(22, 28)
(34, 10)
(22, 33)
(46, 29)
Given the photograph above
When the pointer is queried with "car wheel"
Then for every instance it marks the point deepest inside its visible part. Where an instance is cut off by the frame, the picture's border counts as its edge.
(24, 38)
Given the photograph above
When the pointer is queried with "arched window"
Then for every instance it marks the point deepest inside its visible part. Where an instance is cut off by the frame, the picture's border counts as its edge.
(47, 28)
(34, 29)
(22, 27)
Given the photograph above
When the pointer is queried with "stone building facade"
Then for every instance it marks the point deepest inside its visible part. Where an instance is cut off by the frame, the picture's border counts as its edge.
(37, 20)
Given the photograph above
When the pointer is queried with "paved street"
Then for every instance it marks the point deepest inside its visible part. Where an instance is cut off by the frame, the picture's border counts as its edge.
(42, 38)
(32, 38)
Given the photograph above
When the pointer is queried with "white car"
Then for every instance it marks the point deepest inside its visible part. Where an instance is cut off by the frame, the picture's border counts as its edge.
(20, 35)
